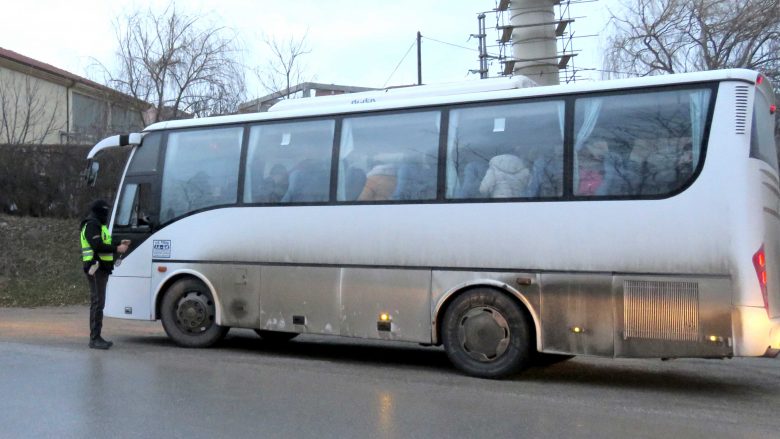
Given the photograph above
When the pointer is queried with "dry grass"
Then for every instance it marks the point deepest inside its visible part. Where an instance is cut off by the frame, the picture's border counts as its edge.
(40, 262)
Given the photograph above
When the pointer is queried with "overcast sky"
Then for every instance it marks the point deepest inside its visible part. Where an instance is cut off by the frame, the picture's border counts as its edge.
(353, 42)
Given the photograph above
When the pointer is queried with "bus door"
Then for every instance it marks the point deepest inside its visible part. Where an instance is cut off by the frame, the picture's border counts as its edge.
(136, 218)
(137, 212)
(138, 207)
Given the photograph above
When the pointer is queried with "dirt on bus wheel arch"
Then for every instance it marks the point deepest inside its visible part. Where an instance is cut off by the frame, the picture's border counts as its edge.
(40, 262)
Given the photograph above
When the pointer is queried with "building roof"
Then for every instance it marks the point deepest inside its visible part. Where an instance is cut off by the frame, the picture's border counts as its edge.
(272, 98)
(34, 64)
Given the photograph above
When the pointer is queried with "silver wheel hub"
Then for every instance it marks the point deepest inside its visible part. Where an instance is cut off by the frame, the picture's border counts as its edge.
(194, 312)
(483, 333)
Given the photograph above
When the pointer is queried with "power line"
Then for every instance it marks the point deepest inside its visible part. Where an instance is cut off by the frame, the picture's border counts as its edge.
(399, 63)
(450, 44)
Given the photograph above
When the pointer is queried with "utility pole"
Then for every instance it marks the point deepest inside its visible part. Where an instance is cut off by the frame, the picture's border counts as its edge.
(483, 69)
(419, 58)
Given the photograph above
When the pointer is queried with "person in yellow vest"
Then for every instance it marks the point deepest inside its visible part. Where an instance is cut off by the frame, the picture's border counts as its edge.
(97, 254)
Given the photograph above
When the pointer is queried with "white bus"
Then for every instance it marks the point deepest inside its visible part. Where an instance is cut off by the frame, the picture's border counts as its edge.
(627, 218)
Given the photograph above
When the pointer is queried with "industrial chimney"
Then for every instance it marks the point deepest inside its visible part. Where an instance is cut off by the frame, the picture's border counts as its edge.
(533, 40)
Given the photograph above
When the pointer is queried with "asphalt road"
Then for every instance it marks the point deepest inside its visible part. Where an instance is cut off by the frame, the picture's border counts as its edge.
(52, 385)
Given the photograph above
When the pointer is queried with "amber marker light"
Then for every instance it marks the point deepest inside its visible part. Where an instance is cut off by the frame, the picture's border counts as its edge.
(162, 268)
(384, 324)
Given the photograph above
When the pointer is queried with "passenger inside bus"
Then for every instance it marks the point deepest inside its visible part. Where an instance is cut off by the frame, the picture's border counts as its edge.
(507, 177)
(473, 173)
(308, 182)
(591, 166)
(276, 185)
(381, 182)
(415, 178)
(354, 181)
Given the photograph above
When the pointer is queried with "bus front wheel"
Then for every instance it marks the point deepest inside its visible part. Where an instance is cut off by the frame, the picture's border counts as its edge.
(189, 315)
(486, 334)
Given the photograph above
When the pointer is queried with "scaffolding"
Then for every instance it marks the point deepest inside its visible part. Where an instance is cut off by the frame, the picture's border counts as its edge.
(564, 34)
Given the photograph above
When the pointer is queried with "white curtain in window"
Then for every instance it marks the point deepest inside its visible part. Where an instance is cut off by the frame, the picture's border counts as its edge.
(346, 147)
(251, 159)
(561, 117)
(698, 106)
(592, 109)
(452, 155)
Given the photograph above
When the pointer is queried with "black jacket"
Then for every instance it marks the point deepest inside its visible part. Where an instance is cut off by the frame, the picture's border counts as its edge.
(94, 238)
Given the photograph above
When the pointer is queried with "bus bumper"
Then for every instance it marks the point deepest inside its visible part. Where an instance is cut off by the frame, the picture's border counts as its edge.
(755, 334)
(128, 298)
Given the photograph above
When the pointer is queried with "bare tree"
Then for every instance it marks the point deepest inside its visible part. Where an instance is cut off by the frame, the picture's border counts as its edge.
(285, 68)
(177, 63)
(673, 36)
(26, 116)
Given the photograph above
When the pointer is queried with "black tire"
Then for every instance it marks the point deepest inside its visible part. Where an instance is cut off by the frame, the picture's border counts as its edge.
(276, 336)
(188, 315)
(486, 334)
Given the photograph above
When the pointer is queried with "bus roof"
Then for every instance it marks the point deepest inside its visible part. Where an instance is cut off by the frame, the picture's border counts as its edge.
(442, 94)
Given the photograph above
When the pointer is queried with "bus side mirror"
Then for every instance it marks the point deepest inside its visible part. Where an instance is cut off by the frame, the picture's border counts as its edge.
(92, 172)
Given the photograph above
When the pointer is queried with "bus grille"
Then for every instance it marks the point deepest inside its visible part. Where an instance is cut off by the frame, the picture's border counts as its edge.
(661, 310)
(742, 108)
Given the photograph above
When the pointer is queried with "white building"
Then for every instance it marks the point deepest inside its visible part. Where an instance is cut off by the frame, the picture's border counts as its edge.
(40, 103)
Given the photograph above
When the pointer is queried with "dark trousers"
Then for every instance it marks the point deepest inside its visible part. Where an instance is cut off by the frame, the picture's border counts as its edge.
(97, 300)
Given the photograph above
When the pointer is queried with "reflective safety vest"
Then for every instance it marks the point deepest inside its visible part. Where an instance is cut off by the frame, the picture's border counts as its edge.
(87, 254)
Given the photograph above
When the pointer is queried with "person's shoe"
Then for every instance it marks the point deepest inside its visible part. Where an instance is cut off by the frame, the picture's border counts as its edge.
(99, 343)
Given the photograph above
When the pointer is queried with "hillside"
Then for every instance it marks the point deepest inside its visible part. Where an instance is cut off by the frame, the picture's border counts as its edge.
(40, 262)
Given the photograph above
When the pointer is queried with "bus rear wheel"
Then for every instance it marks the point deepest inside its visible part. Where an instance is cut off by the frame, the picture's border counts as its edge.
(275, 336)
(486, 334)
(189, 315)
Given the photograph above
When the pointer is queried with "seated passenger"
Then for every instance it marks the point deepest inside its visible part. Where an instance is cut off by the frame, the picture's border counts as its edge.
(380, 183)
(473, 174)
(308, 182)
(591, 166)
(275, 186)
(507, 177)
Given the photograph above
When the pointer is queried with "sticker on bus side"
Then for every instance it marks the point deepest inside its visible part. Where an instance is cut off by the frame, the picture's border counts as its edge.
(161, 248)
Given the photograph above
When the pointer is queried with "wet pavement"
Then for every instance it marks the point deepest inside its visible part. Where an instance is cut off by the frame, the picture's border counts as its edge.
(52, 385)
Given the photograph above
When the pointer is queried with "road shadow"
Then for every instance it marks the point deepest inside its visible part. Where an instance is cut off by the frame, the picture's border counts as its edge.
(337, 349)
(579, 371)
(644, 374)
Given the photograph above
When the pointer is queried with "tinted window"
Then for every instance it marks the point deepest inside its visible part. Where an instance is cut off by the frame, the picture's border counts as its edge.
(135, 206)
(289, 162)
(638, 144)
(201, 170)
(126, 204)
(506, 151)
(762, 141)
(146, 156)
(390, 157)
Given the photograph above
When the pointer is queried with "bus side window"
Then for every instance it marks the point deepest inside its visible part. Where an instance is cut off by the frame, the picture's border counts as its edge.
(201, 170)
(136, 206)
(389, 158)
(505, 151)
(654, 142)
(289, 162)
